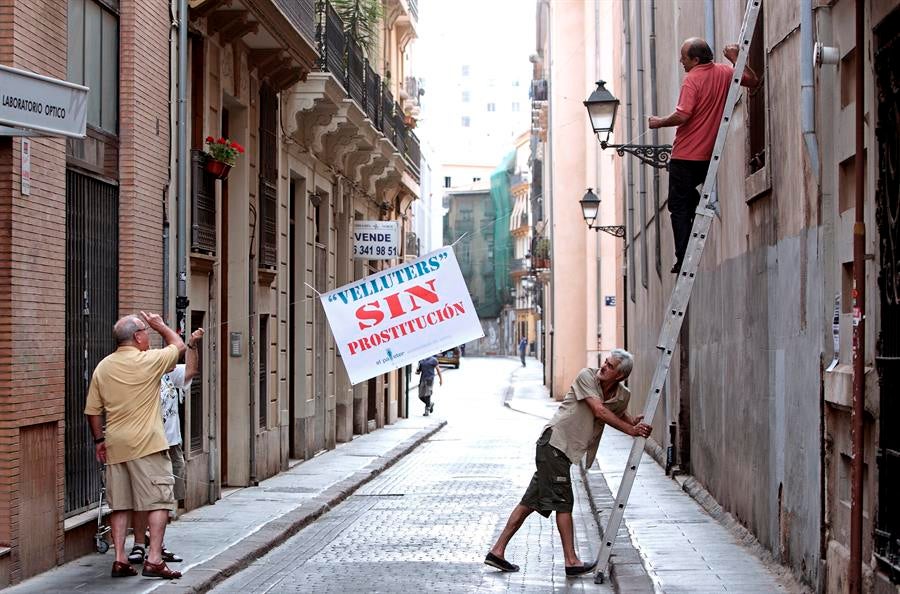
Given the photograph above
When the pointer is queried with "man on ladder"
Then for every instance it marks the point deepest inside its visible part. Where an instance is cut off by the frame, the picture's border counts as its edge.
(697, 115)
(704, 93)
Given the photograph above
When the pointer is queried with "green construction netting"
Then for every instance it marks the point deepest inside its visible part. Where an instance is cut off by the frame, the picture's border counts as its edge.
(502, 202)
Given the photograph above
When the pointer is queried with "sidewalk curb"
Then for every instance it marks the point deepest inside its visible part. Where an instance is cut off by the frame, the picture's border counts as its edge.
(204, 576)
(626, 572)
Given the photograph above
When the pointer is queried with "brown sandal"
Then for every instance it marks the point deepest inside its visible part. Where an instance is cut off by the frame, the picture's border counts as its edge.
(122, 570)
(159, 570)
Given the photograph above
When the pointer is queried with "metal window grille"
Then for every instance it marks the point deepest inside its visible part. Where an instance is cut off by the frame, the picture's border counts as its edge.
(263, 371)
(92, 296)
(203, 206)
(196, 394)
(268, 177)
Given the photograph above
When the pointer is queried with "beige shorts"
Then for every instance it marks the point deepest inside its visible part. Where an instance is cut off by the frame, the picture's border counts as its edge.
(144, 484)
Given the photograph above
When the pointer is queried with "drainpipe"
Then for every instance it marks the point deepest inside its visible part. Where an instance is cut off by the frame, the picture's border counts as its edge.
(251, 347)
(709, 16)
(807, 86)
(181, 299)
(629, 197)
(654, 108)
(642, 178)
(549, 186)
(859, 317)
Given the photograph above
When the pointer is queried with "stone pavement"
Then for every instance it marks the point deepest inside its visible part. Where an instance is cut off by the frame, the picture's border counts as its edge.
(681, 547)
(426, 524)
(217, 539)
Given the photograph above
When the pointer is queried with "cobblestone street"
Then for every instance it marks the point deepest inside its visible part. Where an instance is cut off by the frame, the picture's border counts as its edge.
(425, 524)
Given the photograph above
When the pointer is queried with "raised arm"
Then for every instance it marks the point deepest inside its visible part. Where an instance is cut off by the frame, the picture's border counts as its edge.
(749, 78)
(192, 357)
(156, 322)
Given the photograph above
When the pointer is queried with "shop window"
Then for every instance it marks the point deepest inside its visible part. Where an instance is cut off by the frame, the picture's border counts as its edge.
(93, 59)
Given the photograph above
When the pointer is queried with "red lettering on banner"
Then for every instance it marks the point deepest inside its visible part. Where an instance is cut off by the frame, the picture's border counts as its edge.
(366, 313)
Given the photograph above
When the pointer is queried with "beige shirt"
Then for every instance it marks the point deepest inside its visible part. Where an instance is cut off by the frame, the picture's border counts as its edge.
(125, 386)
(576, 430)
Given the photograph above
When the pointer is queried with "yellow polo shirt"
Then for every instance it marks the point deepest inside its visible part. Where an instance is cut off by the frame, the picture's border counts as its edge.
(576, 431)
(125, 386)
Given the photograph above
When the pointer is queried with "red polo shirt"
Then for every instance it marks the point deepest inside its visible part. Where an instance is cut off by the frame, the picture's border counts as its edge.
(702, 101)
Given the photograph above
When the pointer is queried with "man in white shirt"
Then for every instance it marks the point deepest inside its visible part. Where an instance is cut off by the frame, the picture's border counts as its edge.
(171, 394)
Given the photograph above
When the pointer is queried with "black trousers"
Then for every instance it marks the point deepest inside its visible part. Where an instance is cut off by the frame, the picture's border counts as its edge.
(684, 177)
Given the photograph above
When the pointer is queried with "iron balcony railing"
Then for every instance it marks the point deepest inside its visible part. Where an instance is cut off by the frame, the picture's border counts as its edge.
(400, 130)
(413, 152)
(331, 41)
(414, 9)
(387, 116)
(302, 14)
(356, 71)
(373, 95)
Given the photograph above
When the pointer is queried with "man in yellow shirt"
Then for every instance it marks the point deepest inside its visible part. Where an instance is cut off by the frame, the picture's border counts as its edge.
(125, 386)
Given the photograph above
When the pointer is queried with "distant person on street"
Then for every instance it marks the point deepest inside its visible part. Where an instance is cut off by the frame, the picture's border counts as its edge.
(125, 387)
(171, 394)
(697, 115)
(523, 346)
(596, 398)
(427, 368)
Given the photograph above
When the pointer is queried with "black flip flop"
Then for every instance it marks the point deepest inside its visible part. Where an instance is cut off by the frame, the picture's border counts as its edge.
(500, 563)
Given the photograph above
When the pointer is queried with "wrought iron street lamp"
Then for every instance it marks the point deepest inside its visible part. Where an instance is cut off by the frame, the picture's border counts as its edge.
(590, 204)
(601, 107)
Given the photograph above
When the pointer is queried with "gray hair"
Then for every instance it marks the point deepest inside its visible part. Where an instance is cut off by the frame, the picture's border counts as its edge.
(625, 361)
(124, 329)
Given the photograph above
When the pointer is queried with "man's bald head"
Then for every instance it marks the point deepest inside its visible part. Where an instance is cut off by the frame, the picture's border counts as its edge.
(698, 49)
(124, 329)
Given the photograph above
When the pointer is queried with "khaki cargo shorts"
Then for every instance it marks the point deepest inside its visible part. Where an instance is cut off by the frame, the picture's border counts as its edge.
(550, 489)
(144, 484)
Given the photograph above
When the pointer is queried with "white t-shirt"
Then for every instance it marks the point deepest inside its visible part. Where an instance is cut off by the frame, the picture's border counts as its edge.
(171, 393)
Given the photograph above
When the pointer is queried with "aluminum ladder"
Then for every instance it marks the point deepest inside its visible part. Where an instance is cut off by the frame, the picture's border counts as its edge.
(681, 295)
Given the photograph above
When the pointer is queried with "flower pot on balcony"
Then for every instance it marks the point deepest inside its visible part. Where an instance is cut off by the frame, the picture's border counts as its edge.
(218, 169)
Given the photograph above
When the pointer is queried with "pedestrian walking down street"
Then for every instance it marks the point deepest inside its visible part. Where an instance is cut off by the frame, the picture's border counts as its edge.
(427, 368)
(125, 387)
(697, 114)
(596, 398)
(171, 394)
(523, 346)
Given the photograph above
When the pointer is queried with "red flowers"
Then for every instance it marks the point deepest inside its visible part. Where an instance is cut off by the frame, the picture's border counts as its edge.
(223, 149)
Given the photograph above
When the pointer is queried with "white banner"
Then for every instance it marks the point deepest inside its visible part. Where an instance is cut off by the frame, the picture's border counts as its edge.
(400, 315)
(35, 102)
(376, 240)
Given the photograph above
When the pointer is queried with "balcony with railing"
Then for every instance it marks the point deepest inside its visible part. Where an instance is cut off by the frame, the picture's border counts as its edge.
(354, 78)
(301, 14)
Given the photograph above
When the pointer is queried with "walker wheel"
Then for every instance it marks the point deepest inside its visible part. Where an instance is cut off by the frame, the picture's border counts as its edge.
(102, 545)
(599, 579)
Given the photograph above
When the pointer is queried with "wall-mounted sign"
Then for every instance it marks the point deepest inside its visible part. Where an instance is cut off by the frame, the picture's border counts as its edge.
(609, 300)
(376, 240)
(394, 318)
(31, 102)
(26, 166)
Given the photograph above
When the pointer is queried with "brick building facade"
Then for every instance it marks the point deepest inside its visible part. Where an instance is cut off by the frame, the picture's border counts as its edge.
(96, 237)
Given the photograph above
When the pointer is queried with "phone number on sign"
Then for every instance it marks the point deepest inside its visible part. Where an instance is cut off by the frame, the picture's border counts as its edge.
(375, 250)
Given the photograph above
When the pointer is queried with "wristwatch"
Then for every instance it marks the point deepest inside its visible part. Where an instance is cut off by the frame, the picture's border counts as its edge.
(191, 346)
(99, 440)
